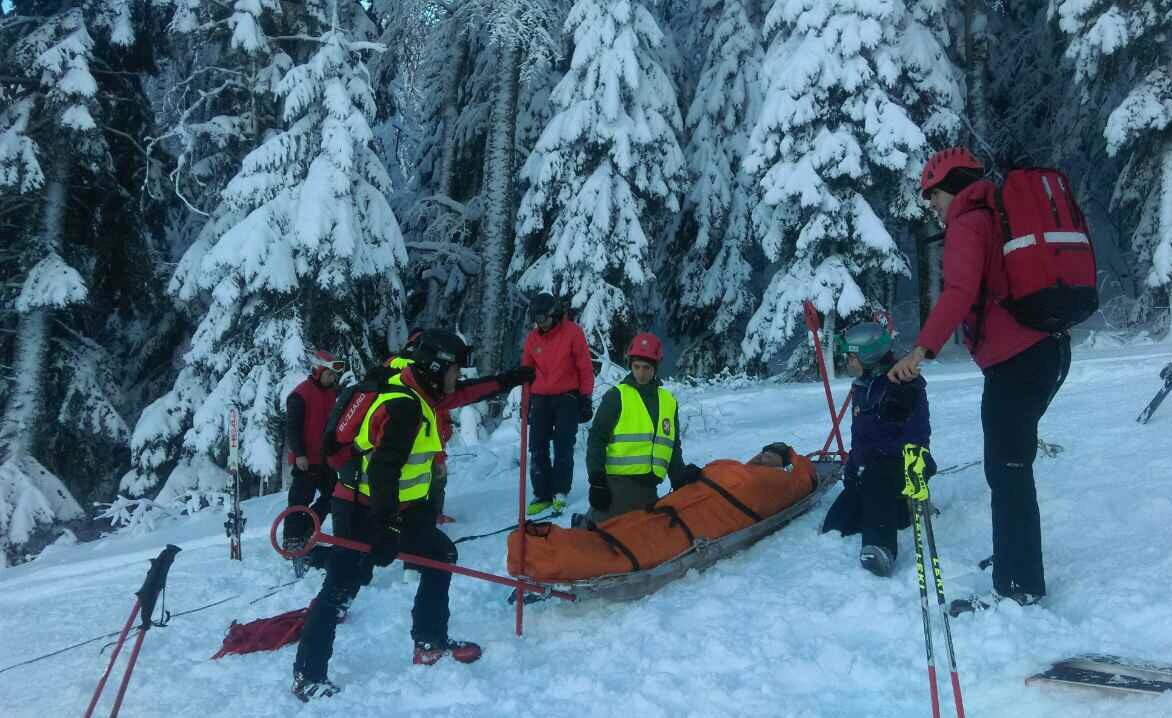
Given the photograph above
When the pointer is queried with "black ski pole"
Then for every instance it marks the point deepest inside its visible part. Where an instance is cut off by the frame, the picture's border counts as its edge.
(916, 510)
(939, 580)
(144, 604)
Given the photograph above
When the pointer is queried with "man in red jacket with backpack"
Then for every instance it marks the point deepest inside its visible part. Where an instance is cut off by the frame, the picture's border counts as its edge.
(306, 411)
(1023, 367)
(560, 399)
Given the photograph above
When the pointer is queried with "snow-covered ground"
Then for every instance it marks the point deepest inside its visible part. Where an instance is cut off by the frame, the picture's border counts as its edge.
(791, 627)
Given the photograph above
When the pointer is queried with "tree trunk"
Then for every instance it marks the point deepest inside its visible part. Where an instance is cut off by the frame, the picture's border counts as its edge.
(976, 54)
(19, 426)
(498, 220)
(451, 90)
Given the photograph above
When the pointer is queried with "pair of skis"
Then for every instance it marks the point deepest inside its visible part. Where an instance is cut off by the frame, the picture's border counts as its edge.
(234, 526)
(1146, 414)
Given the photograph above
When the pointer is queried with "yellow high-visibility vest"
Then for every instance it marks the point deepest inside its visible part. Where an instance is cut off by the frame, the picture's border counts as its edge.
(415, 477)
(636, 447)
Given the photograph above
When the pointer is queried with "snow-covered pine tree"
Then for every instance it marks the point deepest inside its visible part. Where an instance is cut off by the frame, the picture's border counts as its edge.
(522, 34)
(605, 175)
(313, 263)
(715, 296)
(1121, 56)
(442, 209)
(51, 140)
(856, 95)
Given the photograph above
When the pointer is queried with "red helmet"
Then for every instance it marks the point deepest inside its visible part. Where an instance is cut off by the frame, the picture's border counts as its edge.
(646, 346)
(940, 164)
(322, 360)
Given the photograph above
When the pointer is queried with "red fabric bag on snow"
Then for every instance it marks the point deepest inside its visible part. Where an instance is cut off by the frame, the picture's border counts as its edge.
(264, 634)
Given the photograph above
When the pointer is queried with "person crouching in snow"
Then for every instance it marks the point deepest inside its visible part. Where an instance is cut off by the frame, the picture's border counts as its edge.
(886, 416)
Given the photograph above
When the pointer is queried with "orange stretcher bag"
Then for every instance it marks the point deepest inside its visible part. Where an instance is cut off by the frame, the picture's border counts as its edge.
(730, 496)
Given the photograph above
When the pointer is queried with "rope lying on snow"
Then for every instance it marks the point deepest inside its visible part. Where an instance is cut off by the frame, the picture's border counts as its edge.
(188, 612)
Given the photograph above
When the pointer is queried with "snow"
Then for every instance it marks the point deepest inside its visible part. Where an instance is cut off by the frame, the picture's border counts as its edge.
(792, 626)
(51, 283)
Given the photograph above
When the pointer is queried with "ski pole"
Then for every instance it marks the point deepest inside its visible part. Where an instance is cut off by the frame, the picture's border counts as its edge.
(916, 514)
(318, 537)
(129, 669)
(939, 580)
(113, 657)
(520, 616)
(144, 605)
(813, 324)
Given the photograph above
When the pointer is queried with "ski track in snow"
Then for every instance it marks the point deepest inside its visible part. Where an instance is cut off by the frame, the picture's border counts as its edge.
(791, 627)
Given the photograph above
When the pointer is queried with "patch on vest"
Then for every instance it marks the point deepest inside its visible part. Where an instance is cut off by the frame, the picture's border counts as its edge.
(667, 427)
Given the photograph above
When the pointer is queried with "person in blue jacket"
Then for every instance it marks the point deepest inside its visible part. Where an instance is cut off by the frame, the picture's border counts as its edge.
(886, 415)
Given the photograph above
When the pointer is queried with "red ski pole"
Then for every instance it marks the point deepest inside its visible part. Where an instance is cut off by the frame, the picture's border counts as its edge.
(89, 711)
(520, 619)
(813, 324)
(129, 670)
(144, 604)
(319, 537)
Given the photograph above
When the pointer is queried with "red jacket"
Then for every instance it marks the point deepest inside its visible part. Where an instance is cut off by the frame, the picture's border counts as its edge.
(307, 409)
(973, 265)
(561, 359)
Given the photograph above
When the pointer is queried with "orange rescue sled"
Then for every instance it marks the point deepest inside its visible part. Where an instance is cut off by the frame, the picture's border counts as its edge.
(733, 506)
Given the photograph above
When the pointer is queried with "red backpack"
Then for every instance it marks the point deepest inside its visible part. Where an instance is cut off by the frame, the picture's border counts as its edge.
(1049, 259)
(345, 420)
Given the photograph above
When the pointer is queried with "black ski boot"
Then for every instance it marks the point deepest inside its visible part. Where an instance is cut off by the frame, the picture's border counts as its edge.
(877, 560)
(307, 690)
(427, 654)
(978, 602)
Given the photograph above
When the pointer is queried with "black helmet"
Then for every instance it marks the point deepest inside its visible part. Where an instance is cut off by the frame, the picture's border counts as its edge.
(437, 349)
(544, 304)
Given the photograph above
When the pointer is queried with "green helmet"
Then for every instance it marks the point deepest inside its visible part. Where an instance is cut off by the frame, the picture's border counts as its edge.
(869, 341)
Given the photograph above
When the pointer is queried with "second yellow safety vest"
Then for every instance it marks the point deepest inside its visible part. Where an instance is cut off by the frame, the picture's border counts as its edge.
(636, 446)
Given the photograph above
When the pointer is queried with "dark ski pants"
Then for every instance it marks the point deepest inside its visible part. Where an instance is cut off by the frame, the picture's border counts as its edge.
(628, 493)
(884, 508)
(438, 491)
(350, 570)
(552, 419)
(317, 479)
(1017, 393)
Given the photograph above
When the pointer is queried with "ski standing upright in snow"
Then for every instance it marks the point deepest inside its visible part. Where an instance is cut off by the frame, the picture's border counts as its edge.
(235, 523)
(1146, 414)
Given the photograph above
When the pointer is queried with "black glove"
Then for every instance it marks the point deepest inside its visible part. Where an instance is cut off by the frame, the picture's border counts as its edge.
(600, 497)
(518, 376)
(781, 449)
(687, 475)
(850, 475)
(585, 410)
(386, 542)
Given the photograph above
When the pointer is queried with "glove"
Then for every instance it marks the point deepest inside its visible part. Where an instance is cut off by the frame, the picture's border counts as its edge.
(850, 476)
(585, 408)
(518, 376)
(781, 449)
(600, 496)
(688, 475)
(386, 542)
(916, 460)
